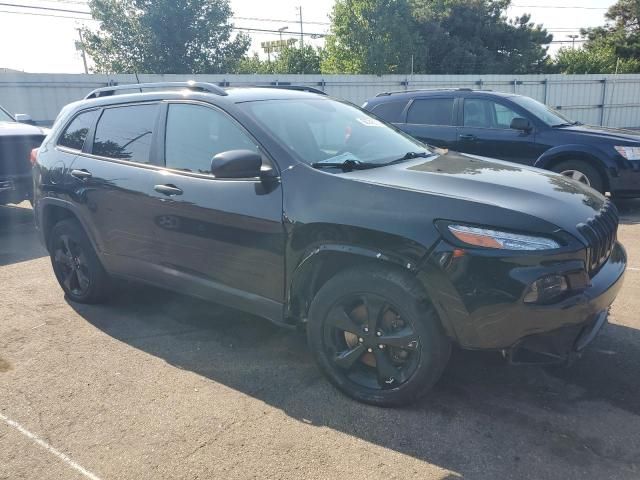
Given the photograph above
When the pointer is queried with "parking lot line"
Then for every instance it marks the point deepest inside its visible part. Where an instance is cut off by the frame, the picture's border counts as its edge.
(49, 448)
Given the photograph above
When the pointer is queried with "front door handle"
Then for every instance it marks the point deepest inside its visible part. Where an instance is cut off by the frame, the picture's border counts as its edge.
(468, 137)
(168, 189)
(81, 174)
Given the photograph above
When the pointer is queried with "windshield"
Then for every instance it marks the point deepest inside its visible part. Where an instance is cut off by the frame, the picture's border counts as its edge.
(4, 116)
(547, 114)
(323, 130)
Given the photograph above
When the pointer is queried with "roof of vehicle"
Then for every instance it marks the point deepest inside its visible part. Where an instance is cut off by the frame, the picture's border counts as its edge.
(406, 94)
(171, 90)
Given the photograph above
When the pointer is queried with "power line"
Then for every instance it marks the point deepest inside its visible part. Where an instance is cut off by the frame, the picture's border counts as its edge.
(46, 15)
(236, 28)
(51, 9)
(567, 7)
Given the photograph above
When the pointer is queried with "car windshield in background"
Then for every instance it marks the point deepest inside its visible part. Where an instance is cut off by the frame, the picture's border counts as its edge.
(326, 131)
(547, 114)
(5, 117)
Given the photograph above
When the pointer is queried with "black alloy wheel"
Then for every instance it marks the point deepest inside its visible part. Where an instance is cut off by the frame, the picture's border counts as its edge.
(76, 265)
(70, 262)
(371, 342)
(376, 337)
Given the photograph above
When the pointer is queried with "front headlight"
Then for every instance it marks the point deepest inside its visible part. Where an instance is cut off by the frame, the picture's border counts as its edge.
(630, 153)
(483, 237)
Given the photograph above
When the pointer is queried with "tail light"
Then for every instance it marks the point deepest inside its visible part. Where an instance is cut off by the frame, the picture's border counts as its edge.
(33, 156)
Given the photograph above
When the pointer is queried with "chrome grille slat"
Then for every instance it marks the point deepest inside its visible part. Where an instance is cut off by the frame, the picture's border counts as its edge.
(600, 232)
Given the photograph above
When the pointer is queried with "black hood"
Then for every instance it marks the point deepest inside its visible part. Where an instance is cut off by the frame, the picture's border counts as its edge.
(548, 196)
(614, 135)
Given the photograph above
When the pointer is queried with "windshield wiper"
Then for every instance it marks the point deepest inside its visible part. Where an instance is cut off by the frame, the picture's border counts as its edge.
(567, 124)
(410, 156)
(346, 165)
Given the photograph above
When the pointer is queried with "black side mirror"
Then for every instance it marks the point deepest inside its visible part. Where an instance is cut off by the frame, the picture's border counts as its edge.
(519, 123)
(237, 164)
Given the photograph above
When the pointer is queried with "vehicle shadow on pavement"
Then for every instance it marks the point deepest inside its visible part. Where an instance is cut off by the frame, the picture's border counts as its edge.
(18, 239)
(484, 420)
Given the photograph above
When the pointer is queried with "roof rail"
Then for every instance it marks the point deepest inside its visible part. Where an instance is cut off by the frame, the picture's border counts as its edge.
(191, 85)
(451, 89)
(300, 88)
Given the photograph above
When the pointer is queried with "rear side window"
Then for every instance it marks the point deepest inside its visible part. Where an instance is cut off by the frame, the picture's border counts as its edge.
(195, 134)
(390, 111)
(76, 132)
(431, 111)
(125, 133)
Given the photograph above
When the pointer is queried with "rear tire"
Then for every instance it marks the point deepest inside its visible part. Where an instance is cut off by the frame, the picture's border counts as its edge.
(76, 265)
(581, 171)
(376, 337)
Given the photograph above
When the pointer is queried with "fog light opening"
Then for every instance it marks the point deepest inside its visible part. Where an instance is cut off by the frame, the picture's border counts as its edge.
(546, 289)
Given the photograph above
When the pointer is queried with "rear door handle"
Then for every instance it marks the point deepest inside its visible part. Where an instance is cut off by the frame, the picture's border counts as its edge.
(168, 189)
(81, 174)
(467, 137)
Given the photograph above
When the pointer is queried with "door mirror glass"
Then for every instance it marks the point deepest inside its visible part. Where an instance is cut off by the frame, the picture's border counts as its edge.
(236, 164)
(520, 123)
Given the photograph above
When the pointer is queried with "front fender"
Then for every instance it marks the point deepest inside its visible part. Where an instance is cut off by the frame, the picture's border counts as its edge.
(595, 153)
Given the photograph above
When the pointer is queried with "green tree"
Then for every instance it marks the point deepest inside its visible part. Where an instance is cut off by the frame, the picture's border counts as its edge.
(622, 31)
(437, 36)
(595, 58)
(474, 36)
(370, 36)
(613, 47)
(163, 36)
(290, 60)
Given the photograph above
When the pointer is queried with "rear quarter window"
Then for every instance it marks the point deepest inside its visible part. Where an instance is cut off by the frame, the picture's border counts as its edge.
(75, 134)
(390, 111)
(431, 111)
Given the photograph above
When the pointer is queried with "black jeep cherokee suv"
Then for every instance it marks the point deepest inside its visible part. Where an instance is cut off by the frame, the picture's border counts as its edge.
(303, 209)
(517, 129)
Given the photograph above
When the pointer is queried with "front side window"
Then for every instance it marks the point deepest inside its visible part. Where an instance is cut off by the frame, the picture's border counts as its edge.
(76, 132)
(325, 130)
(547, 114)
(195, 134)
(432, 111)
(483, 113)
(125, 133)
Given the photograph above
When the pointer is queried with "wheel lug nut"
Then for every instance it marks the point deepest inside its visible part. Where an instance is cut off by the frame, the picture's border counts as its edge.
(379, 333)
(380, 346)
(360, 340)
(365, 329)
(369, 350)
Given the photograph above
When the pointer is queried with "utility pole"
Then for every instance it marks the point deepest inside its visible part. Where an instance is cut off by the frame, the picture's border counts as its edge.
(84, 57)
(301, 29)
(573, 40)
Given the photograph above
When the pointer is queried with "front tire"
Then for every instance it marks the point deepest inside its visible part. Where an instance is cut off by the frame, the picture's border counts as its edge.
(581, 172)
(376, 337)
(76, 265)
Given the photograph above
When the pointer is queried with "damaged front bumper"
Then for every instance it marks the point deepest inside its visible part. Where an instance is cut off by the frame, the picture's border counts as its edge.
(560, 346)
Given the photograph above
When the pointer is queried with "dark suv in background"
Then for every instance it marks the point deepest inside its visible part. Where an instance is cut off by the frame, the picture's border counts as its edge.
(17, 140)
(308, 211)
(517, 129)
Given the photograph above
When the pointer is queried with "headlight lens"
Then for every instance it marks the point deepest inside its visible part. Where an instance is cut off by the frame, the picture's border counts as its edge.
(483, 237)
(630, 153)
